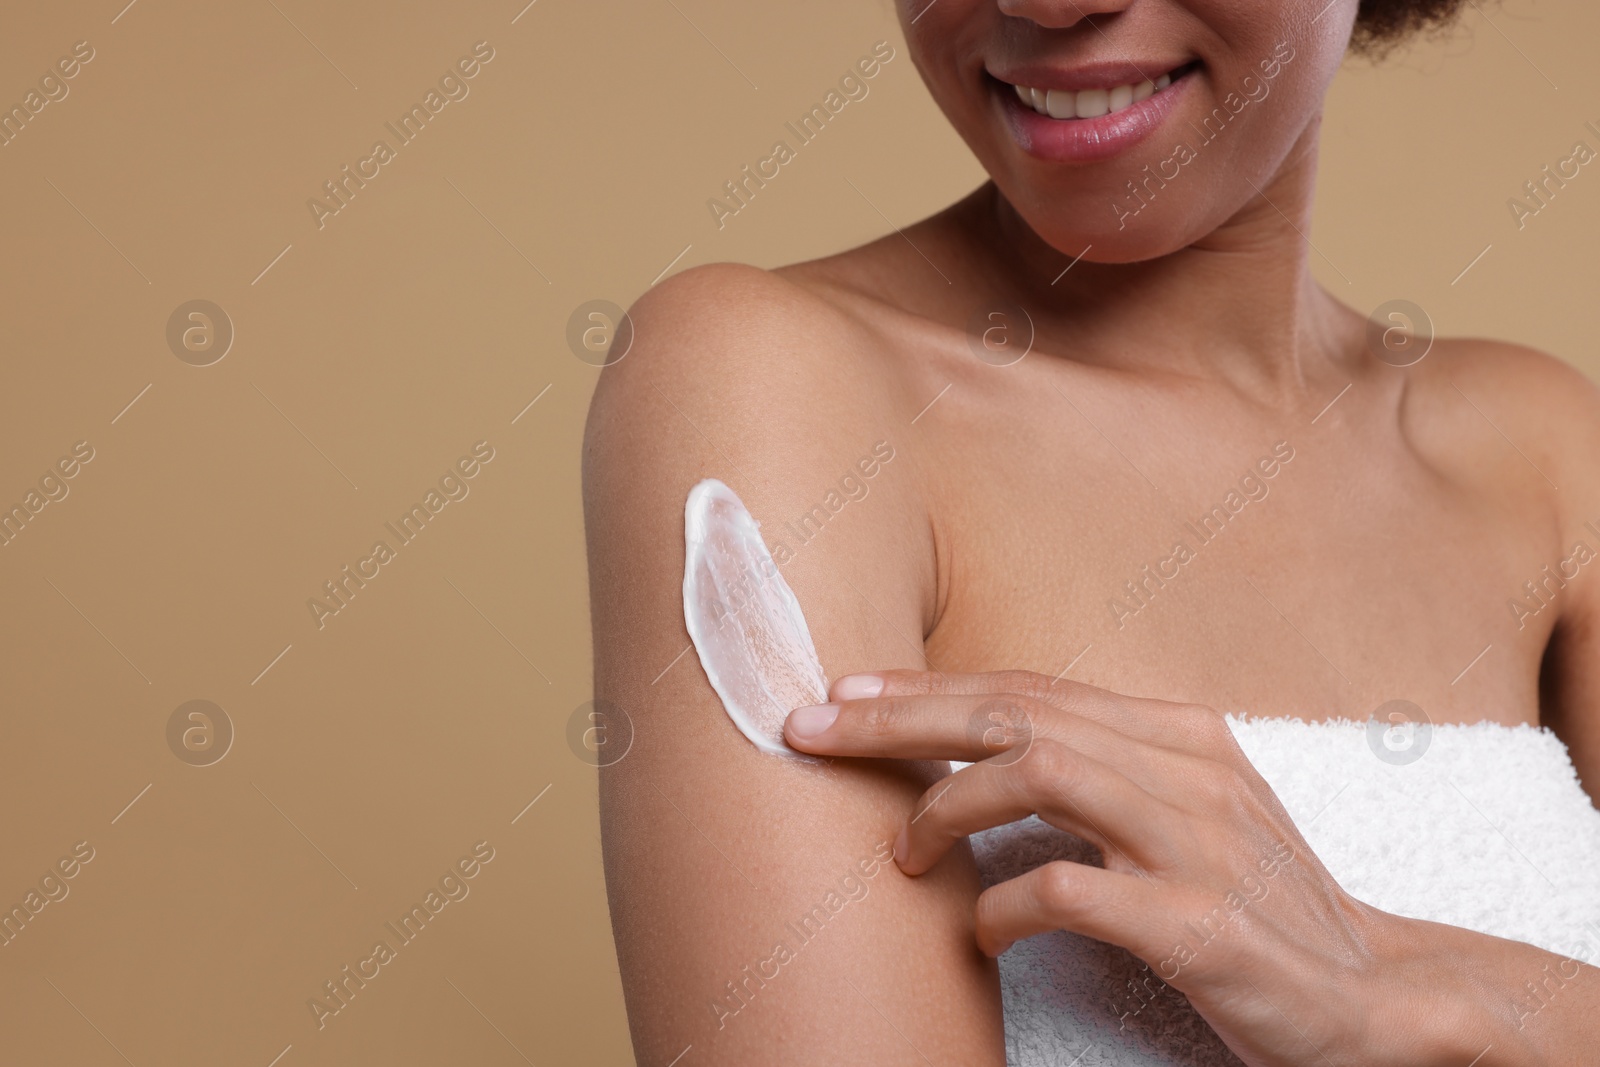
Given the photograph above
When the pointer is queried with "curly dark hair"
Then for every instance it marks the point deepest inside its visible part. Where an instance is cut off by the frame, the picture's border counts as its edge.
(1383, 24)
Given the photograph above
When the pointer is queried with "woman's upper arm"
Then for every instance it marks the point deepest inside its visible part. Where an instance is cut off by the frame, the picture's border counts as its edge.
(757, 914)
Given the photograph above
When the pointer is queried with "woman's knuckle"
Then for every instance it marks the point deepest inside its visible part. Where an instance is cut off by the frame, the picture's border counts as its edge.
(919, 683)
(1197, 725)
(1056, 888)
(1083, 699)
(1046, 761)
(1002, 724)
(882, 717)
(1222, 784)
(1053, 770)
(1025, 683)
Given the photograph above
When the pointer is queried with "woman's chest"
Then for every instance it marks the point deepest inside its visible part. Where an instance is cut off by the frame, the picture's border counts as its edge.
(1263, 568)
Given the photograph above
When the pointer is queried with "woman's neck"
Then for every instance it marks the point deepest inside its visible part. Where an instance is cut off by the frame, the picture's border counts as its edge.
(1239, 306)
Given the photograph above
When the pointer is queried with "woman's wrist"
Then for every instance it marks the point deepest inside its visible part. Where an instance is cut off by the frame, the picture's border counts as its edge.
(1446, 996)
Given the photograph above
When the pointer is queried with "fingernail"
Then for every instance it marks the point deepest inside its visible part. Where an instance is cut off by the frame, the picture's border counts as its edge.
(809, 722)
(858, 687)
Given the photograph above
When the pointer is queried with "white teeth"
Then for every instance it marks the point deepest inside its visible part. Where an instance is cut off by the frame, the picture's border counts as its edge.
(1092, 103)
(1089, 103)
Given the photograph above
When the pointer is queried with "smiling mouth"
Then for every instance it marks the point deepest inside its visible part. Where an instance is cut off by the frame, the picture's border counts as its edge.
(1094, 103)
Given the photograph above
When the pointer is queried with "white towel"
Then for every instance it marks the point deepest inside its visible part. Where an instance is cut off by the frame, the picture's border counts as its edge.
(1488, 829)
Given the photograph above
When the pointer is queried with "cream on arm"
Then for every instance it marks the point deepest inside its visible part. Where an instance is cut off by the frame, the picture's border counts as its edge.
(745, 621)
(757, 914)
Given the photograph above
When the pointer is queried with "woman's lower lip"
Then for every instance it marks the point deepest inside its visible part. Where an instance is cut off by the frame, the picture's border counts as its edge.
(1086, 140)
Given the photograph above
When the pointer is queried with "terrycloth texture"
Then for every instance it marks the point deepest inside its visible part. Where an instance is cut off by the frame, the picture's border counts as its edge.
(1487, 830)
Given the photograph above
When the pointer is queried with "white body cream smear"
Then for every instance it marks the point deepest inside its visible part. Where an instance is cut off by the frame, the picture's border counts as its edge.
(744, 620)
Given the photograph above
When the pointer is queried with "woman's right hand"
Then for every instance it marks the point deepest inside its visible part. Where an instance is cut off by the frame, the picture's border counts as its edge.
(1206, 877)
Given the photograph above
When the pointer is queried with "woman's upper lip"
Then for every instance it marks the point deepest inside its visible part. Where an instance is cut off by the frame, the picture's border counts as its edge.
(1106, 75)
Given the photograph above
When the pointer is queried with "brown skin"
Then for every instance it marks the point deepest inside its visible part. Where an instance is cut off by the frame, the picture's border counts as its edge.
(1166, 364)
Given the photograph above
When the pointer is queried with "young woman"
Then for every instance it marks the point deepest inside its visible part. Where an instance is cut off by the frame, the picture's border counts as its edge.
(1091, 447)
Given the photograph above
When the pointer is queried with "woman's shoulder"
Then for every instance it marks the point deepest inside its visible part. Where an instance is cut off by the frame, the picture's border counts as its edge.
(1536, 411)
(1556, 404)
(1527, 372)
(764, 354)
(743, 374)
(723, 319)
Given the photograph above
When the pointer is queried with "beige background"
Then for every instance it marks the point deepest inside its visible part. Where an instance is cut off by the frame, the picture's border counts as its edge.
(424, 717)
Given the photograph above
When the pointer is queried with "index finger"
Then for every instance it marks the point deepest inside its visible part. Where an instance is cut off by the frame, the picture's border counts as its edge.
(1000, 729)
(1158, 722)
(942, 727)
